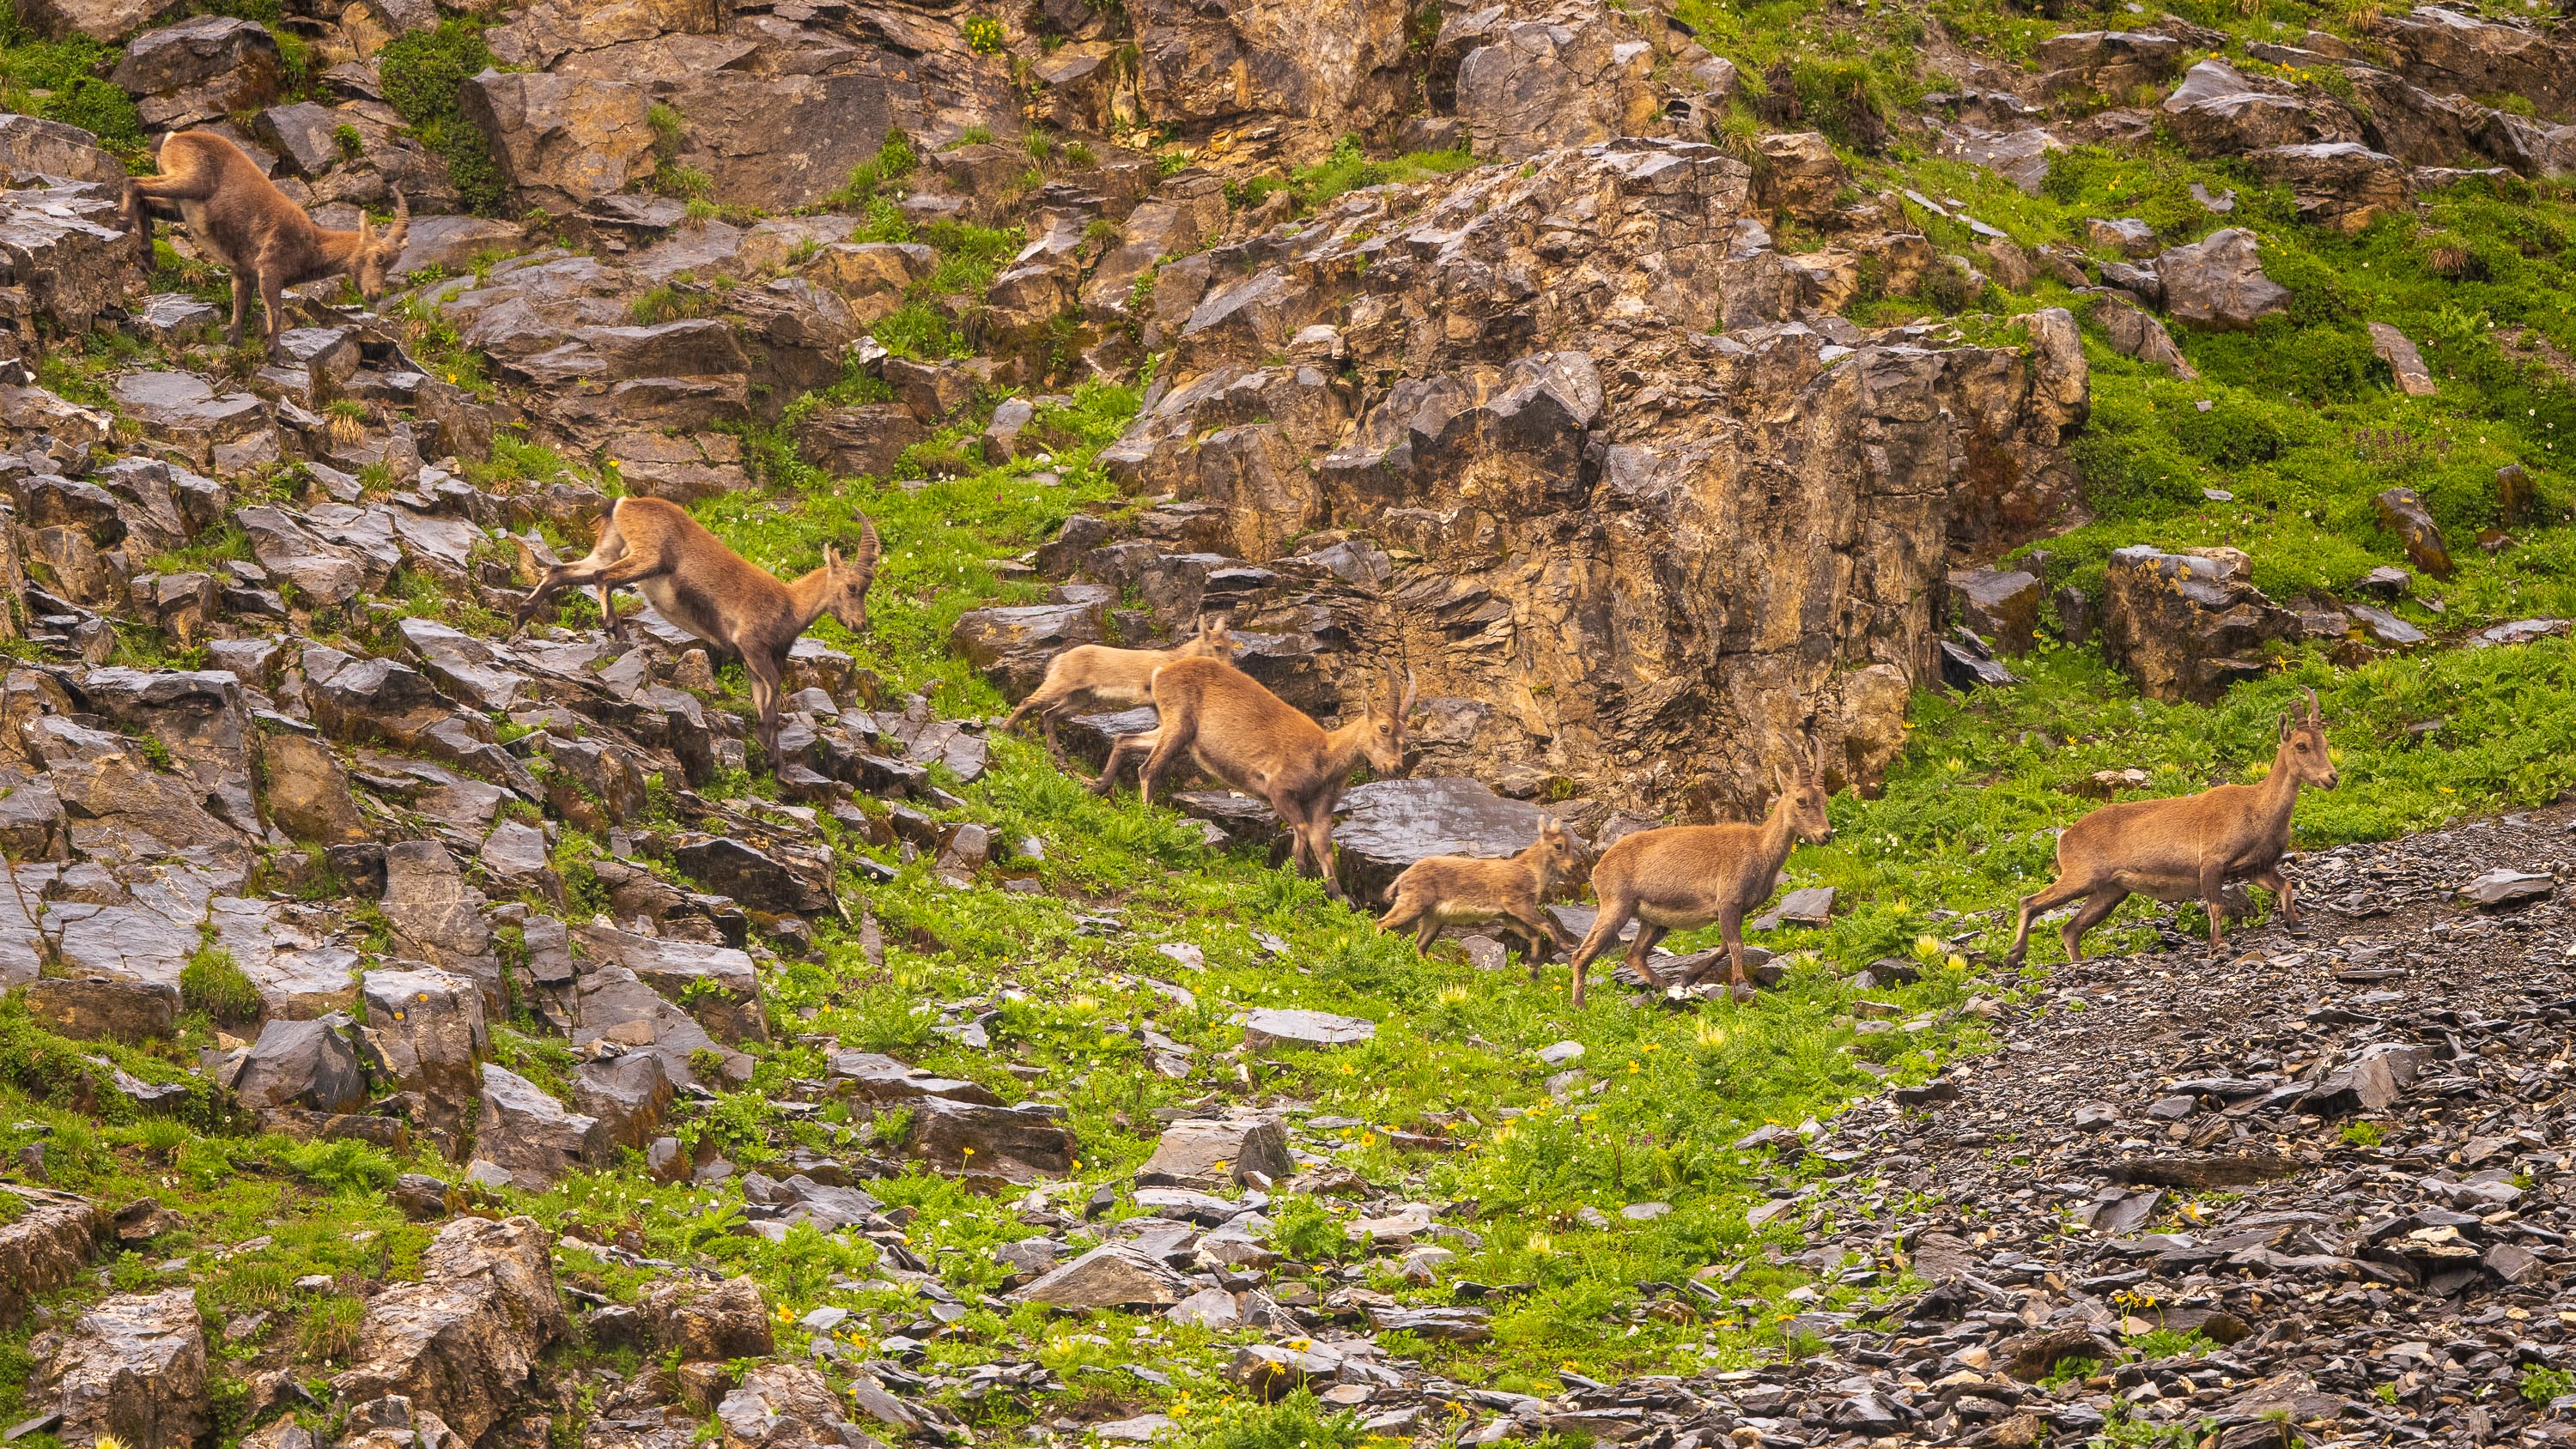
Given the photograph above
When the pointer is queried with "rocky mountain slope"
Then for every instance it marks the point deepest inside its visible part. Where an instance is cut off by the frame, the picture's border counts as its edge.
(423, 1032)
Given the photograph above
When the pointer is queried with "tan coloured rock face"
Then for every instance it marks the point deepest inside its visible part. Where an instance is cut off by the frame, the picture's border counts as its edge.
(1660, 555)
(1337, 64)
(562, 140)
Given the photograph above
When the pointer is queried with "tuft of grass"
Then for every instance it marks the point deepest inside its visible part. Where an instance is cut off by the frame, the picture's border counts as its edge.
(212, 982)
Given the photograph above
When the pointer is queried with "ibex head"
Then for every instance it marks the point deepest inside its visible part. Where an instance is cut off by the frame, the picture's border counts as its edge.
(2303, 742)
(1802, 794)
(846, 597)
(1384, 744)
(377, 253)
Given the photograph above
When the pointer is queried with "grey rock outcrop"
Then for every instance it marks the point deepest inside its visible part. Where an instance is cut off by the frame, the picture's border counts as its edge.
(461, 1341)
(132, 1369)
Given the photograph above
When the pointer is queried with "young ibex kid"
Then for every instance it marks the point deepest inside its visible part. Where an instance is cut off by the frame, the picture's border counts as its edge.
(1095, 676)
(690, 577)
(2185, 849)
(1457, 890)
(1263, 746)
(237, 217)
(1686, 876)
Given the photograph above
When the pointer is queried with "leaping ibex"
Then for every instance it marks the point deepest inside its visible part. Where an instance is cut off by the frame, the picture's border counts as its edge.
(1106, 678)
(692, 579)
(1264, 746)
(241, 220)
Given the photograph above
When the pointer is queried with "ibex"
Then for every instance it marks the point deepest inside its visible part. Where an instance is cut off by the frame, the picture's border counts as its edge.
(1686, 876)
(1106, 678)
(1264, 746)
(1457, 890)
(690, 577)
(2188, 848)
(249, 226)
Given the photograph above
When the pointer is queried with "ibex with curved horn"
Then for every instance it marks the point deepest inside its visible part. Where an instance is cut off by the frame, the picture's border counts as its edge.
(692, 579)
(2187, 848)
(242, 221)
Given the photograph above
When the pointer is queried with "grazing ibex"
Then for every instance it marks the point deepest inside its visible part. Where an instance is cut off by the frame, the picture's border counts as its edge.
(1686, 876)
(1264, 746)
(241, 220)
(2187, 848)
(1106, 678)
(1457, 890)
(693, 580)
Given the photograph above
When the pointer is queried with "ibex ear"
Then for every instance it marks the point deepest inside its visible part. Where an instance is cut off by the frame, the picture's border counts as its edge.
(2289, 724)
(831, 560)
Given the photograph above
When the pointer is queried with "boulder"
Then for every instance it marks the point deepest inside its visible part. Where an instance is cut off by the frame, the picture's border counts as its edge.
(2134, 333)
(1013, 644)
(311, 1065)
(183, 411)
(1269, 1028)
(783, 883)
(321, 572)
(1470, 456)
(2452, 52)
(785, 1406)
(132, 1369)
(610, 1004)
(2106, 61)
(2341, 184)
(715, 984)
(861, 441)
(48, 1242)
(2405, 364)
(98, 19)
(1327, 67)
(461, 1341)
(2188, 625)
(2218, 282)
(1207, 1148)
(629, 1094)
(2217, 111)
(305, 791)
(880, 1078)
(39, 150)
(2402, 513)
(2000, 605)
(437, 915)
(530, 1135)
(1538, 84)
(201, 69)
(708, 1322)
(425, 1033)
(103, 1008)
(1004, 1144)
(1801, 175)
(1112, 1275)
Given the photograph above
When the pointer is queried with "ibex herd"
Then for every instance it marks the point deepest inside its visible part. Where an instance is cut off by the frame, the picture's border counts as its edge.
(1233, 727)
(1225, 721)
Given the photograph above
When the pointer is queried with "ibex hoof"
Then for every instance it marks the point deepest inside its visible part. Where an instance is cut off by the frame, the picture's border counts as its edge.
(1742, 991)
